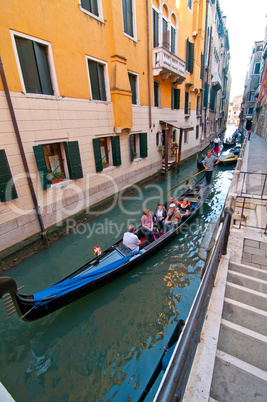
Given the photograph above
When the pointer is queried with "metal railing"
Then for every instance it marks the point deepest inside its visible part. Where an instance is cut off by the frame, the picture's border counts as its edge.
(175, 380)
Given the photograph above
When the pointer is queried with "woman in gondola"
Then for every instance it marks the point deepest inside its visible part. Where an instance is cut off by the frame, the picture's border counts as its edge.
(148, 226)
(159, 215)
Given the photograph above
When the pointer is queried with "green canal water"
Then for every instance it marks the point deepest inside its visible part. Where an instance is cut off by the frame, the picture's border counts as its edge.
(105, 346)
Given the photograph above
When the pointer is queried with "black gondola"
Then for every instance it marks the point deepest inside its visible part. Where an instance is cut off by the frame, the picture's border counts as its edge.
(111, 264)
(229, 144)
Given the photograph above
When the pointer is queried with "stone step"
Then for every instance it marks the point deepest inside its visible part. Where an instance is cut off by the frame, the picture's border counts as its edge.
(248, 270)
(246, 296)
(259, 285)
(244, 344)
(246, 316)
(234, 380)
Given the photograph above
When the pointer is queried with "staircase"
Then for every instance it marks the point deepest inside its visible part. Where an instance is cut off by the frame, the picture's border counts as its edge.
(240, 369)
(171, 164)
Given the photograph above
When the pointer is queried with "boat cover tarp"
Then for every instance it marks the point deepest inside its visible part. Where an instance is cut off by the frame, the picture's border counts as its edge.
(69, 285)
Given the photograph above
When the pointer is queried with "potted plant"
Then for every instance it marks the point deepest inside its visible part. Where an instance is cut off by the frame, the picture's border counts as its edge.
(162, 150)
(56, 177)
(134, 155)
(105, 165)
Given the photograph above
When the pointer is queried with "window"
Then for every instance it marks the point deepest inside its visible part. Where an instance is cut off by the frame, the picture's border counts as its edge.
(197, 132)
(185, 137)
(107, 152)
(250, 110)
(97, 80)
(127, 11)
(189, 56)
(173, 39)
(212, 99)
(257, 68)
(58, 160)
(202, 66)
(175, 98)
(206, 95)
(7, 187)
(156, 93)
(91, 6)
(138, 146)
(186, 102)
(252, 96)
(34, 65)
(198, 111)
(155, 28)
(165, 34)
(189, 3)
(133, 84)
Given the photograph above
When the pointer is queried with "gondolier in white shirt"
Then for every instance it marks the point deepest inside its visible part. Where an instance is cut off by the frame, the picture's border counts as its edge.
(208, 163)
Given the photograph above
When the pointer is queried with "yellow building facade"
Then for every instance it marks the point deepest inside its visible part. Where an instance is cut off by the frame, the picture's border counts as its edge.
(96, 87)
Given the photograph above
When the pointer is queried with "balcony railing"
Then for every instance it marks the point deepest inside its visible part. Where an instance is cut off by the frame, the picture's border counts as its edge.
(168, 65)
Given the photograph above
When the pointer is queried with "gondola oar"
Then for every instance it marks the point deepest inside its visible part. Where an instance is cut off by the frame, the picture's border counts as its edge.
(188, 179)
(174, 338)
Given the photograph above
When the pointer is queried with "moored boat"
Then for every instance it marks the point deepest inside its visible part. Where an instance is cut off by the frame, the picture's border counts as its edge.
(102, 269)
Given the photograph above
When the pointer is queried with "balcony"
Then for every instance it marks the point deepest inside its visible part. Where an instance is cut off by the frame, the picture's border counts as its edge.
(216, 82)
(168, 65)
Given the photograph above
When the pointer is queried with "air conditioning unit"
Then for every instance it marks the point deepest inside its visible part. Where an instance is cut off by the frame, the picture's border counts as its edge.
(194, 33)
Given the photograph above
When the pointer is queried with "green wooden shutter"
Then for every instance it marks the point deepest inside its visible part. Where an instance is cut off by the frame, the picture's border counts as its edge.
(97, 153)
(143, 145)
(202, 66)
(116, 150)
(155, 28)
(41, 166)
(7, 187)
(212, 99)
(175, 98)
(43, 68)
(191, 57)
(28, 65)
(206, 95)
(131, 148)
(132, 79)
(73, 159)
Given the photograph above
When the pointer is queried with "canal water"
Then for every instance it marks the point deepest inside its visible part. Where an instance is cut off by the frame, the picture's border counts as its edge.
(105, 346)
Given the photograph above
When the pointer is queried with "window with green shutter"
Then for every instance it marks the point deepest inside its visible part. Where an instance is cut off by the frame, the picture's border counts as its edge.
(7, 187)
(143, 145)
(212, 99)
(175, 98)
(155, 28)
(132, 151)
(73, 159)
(156, 94)
(189, 56)
(186, 102)
(206, 95)
(116, 150)
(202, 66)
(132, 79)
(91, 6)
(97, 80)
(34, 66)
(41, 166)
(173, 39)
(127, 11)
(97, 154)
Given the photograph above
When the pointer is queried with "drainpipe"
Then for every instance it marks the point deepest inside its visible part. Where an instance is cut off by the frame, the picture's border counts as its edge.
(148, 64)
(22, 153)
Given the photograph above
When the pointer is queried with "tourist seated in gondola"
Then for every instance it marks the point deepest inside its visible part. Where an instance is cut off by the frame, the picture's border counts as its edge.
(159, 215)
(167, 204)
(173, 216)
(148, 226)
(184, 208)
(131, 240)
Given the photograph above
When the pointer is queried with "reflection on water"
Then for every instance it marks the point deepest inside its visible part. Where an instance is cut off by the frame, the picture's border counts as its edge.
(105, 346)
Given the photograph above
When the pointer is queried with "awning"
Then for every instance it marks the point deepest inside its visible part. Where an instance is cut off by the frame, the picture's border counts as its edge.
(177, 124)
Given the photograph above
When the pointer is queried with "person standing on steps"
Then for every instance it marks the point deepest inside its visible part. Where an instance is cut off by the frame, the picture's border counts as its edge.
(208, 163)
(249, 134)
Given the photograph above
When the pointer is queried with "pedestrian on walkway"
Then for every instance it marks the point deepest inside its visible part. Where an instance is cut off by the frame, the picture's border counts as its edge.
(249, 134)
(208, 163)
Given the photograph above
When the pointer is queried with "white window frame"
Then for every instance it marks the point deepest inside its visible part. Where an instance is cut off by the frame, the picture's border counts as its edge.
(137, 88)
(134, 37)
(51, 65)
(100, 10)
(176, 34)
(159, 26)
(107, 87)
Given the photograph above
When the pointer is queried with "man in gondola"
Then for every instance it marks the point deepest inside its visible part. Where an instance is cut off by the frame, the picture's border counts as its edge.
(208, 163)
(131, 241)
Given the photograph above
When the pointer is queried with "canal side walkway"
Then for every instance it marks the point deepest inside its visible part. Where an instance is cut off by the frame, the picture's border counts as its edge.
(230, 362)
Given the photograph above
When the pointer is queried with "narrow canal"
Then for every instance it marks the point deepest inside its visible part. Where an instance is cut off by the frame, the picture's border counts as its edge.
(105, 346)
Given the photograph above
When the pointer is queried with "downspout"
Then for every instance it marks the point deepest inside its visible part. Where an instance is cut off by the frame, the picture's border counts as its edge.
(148, 64)
(204, 72)
(22, 153)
